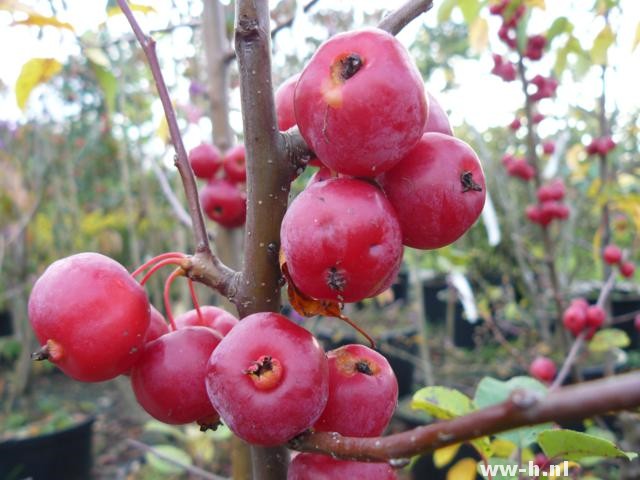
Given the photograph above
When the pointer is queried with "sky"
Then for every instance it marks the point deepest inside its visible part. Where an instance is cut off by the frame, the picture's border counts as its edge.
(480, 99)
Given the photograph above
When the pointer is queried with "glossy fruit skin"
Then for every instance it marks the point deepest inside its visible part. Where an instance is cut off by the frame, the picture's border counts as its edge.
(363, 393)
(269, 414)
(437, 119)
(360, 102)
(311, 466)
(437, 189)
(574, 319)
(212, 317)
(283, 98)
(168, 381)
(341, 239)
(94, 312)
(205, 160)
(234, 164)
(595, 317)
(627, 269)
(543, 369)
(612, 254)
(158, 326)
(224, 203)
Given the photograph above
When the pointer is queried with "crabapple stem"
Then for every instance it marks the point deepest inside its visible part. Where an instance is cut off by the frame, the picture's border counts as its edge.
(178, 272)
(194, 299)
(155, 259)
(158, 266)
(359, 329)
(41, 354)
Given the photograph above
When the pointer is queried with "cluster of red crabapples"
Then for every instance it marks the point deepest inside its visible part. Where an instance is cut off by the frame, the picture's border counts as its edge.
(223, 198)
(266, 377)
(391, 172)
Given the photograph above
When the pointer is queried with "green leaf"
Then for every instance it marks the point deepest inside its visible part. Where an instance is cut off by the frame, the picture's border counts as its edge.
(441, 402)
(571, 445)
(470, 10)
(444, 12)
(601, 45)
(559, 26)
(491, 391)
(153, 426)
(33, 73)
(521, 31)
(108, 84)
(164, 466)
(608, 339)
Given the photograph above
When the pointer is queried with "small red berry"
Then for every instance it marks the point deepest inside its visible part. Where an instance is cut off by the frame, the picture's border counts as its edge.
(312, 466)
(363, 393)
(595, 317)
(224, 202)
(612, 254)
(268, 379)
(548, 147)
(205, 160)
(574, 319)
(627, 269)
(212, 317)
(515, 124)
(543, 368)
(234, 164)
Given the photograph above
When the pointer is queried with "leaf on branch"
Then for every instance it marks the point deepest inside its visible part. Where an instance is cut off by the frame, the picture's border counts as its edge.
(558, 27)
(37, 20)
(442, 403)
(572, 445)
(163, 466)
(464, 469)
(33, 73)
(609, 339)
(135, 7)
(470, 10)
(491, 391)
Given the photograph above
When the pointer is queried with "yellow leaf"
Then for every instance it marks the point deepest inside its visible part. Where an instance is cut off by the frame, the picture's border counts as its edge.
(465, 469)
(636, 40)
(33, 73)
(479, 35)
(444, 455)
(601, 45)
(503, 448)
(536, 4)
(135, 7)
(37, 20)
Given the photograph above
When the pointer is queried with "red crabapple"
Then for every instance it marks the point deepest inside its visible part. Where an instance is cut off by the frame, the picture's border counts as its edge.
(437, 190)
(90, 315)
(168, 380)
(574, 318)
(595, 317)
(205, 160)
(360, 102)
(363, 393)
(312, 466)
(157, 326)
(543, 369)
(284, 103)
(341, 240)
(268, 379)
(234, 164)
(437, 119)
(224, 203)
(612, 254)
(212, 317)
(627, 269)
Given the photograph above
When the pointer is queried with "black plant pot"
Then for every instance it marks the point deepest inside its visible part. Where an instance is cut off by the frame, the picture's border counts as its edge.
(65, 454)
(434, 299)
(624, 306)
(400, 287)
(6, 323)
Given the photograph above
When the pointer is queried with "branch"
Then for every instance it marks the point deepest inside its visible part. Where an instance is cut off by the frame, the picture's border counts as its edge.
(204, 266)
(523, 408)
(400, 18)
(148, 45)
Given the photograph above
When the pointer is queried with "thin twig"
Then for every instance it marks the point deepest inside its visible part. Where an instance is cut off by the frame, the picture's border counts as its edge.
(400, 18)
(523, 408)
(148, 45)
(569, 361)
(198, 472)
(178, 209)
